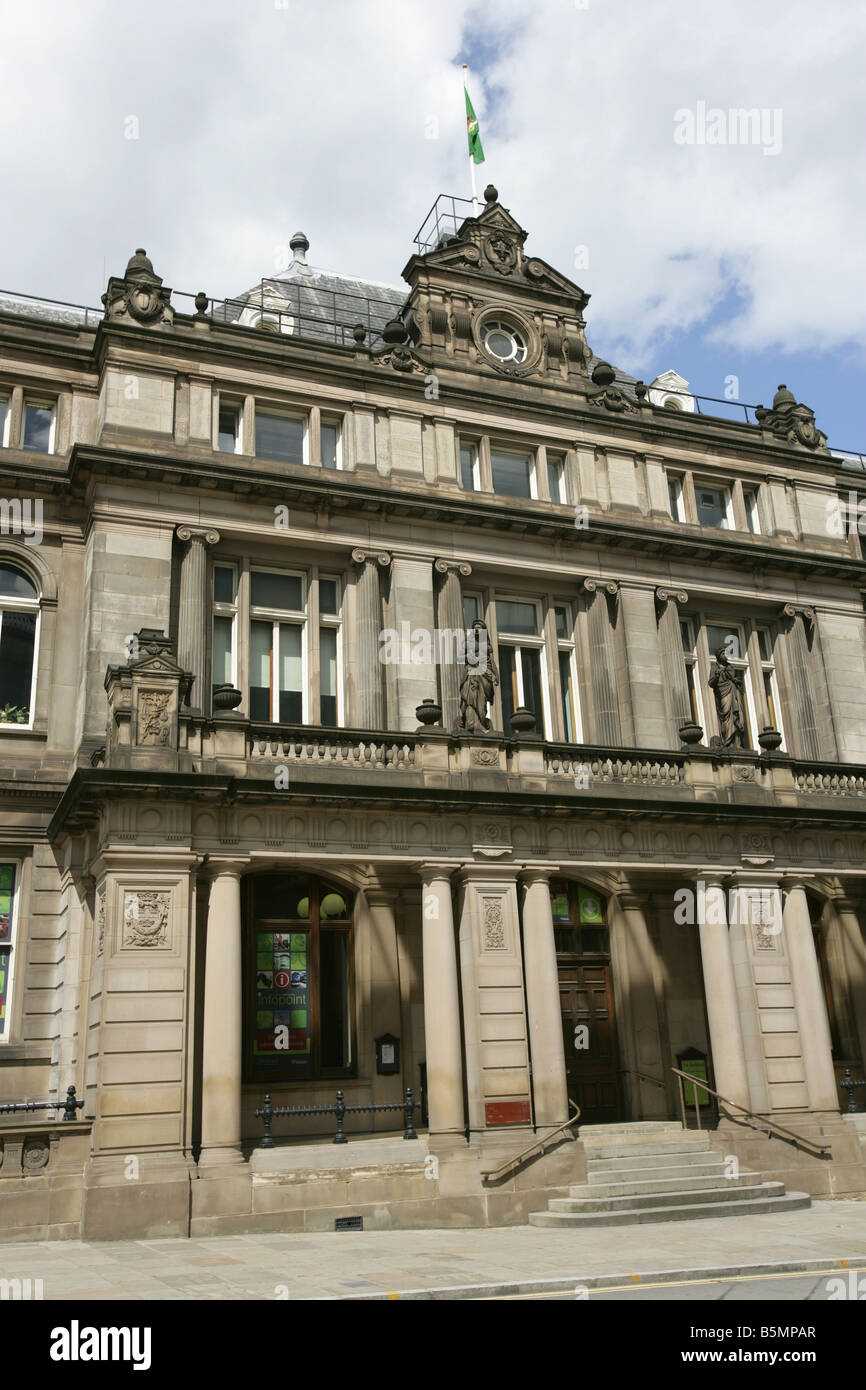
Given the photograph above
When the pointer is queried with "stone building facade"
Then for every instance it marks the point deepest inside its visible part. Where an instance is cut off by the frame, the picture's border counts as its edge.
(251, 843)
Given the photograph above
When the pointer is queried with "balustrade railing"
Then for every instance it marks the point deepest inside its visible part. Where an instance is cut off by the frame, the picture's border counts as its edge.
(339, 749)
(574, 762)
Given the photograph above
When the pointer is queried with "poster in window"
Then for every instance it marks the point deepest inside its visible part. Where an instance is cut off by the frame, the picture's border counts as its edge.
(590, 907)
(7, 887)
(282, 1005)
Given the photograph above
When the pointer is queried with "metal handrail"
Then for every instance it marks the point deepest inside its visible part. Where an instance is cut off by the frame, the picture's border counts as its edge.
(494, 1173)
(629, 1071)
(761, 1120)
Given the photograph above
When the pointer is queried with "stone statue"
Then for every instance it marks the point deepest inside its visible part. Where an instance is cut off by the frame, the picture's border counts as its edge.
(727, 687)
(480, 678)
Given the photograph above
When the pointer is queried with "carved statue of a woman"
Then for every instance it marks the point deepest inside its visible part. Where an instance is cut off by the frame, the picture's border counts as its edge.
(727, 687)
(480, 678)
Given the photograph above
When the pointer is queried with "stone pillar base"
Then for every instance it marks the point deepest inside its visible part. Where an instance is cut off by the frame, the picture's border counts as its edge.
(136, 1196)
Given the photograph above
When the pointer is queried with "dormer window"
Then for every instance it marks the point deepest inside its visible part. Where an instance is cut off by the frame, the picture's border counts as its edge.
(504, 343)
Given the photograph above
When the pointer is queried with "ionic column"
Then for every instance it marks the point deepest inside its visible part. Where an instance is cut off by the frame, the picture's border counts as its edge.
(854, 952)
(673, 665)
(441, 1003)
(549, 1084)
(720, 991)
(222, 1042)
(608, 728)
(450, 619)
(370, 709)
(809, 999)
(193, 626)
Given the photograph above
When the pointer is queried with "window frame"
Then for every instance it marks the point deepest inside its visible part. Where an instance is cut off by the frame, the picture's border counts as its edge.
(265, 409)
(332, 621)
(314, 1073)
(518, 641)
(556, 462)
(334, 423)
(258, 613)
(12, 945)
(676, 501)
(222, 609)
(568, 645)
(8, 604)
(39, 403)
(475, 466)
(237, 409)
(6, 426)
(531, 456)
(726, 491)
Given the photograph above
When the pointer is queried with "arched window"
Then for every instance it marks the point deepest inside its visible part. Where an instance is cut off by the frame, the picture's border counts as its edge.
(299, 995)
(19, 616)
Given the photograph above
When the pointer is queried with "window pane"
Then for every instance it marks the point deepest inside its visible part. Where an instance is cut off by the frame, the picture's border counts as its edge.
(693, 695)
(281, 897)
(771, 699)
(261, 655)
(565, 685)
(712, 506)
(334, 969)
(282, 591)
(467, 466)
(5, 957)
(223, 584)
(521, 618)
(4, 406)
(7, 889)
(328, 596)
(674, 497)
(280, 437)
(17, 639)
(511, 474)
(470, 609)
(562, 626)
(328, 436)
(764, 644)
(37, 428)
(530, 660)
(328, 668)
(222, 651)
(14, 584)
(508, 679)
(726, 637)
(291, 673)
(554, 479)
(228, 428)
(686, 636)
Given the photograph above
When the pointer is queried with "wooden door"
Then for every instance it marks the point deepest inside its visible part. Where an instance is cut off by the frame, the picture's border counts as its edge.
(591, 1060)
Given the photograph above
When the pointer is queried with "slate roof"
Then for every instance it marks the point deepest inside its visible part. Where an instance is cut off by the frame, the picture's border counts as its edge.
(323, 304)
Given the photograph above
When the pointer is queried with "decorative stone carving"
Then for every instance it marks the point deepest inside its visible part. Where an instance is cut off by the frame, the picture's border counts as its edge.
(674, 595)
(479, 680)
(139, 295)
(791, 421)
(744, 773)
(35, 1155)
(797, 610)
(99, 920)
(154, 720)
(492, 925)
(379, 557)
(605, 394)
(485, 757)
(145, 918)
(727, 686)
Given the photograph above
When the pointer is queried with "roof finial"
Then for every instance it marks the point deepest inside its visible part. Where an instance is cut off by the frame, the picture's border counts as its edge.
(300, 246)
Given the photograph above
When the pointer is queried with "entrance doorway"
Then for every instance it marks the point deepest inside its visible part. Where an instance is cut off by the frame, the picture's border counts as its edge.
(586, 1001)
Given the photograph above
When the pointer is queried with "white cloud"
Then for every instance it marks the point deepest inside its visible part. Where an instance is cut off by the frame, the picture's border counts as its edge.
(257, 120)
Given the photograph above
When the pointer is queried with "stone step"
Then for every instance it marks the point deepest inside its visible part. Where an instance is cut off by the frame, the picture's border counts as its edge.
(670, 1146)
(687, 1181)
(631, 1127)
(755, 1206)
(626, 1143)
(686, 1197)
(712, 1167)
(618, 1161)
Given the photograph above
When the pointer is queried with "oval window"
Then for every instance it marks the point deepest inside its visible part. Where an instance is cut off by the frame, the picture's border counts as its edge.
(503, 342)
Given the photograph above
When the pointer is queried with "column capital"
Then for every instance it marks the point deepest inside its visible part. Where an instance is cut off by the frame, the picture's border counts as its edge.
(447, 566)
(671, 596)
(794, 880)
(432, 869)
(373, 557)
(609, 586)
(536, 873)
(790, 611)
(207, 535)
(224, 868)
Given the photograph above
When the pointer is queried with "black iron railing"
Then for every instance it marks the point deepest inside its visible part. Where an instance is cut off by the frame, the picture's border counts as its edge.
(849, 1084)
(444, 219)
(69, 1103)
(340, 1109)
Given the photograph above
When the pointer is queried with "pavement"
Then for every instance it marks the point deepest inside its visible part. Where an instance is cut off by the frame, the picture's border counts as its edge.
(443, 1264)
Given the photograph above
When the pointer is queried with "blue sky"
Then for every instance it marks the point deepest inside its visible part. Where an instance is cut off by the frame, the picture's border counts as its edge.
(212, 132)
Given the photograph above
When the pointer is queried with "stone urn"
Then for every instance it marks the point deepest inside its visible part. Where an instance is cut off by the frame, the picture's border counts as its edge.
(226, 697)
(428, 713)
(770, 739)
(522, 720)
(691, 733)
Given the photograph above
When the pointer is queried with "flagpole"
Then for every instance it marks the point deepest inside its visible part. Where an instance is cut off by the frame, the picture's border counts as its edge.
(471, 160)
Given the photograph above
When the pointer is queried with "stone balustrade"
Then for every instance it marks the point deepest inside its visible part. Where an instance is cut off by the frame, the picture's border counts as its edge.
(333, 749)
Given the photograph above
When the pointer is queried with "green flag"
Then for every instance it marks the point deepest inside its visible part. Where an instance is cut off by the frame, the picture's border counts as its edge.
(472, 132)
